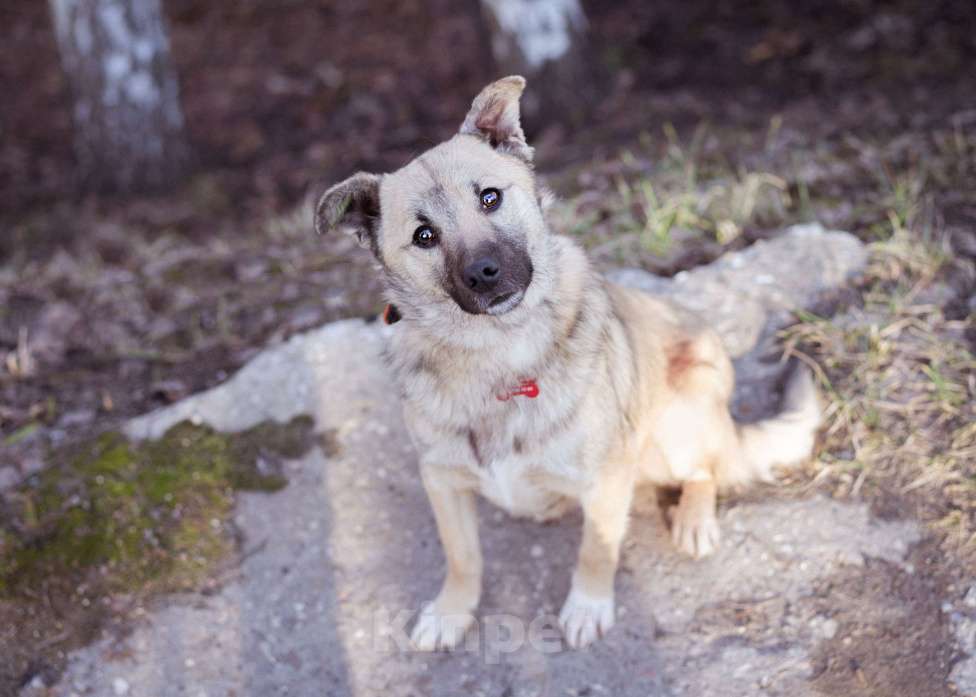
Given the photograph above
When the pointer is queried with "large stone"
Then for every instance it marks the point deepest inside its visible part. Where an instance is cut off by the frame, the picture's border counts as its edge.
(350, 545)
(963, 677)
(963, 674)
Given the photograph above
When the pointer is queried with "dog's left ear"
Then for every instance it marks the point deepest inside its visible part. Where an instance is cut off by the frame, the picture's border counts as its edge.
(494, 117)
(352, 205)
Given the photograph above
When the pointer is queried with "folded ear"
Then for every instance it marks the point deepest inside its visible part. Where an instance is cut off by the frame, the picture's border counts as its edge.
(352, 205)
(494, 116)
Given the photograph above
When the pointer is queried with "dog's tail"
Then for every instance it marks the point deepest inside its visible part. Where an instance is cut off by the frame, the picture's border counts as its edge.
(782, 440)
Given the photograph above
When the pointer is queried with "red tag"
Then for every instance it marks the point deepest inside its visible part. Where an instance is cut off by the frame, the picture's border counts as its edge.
(526, 388)
(391, 315)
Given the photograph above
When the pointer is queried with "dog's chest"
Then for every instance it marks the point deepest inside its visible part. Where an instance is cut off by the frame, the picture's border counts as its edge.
(517, 466)
(517, 486)
(508, 427)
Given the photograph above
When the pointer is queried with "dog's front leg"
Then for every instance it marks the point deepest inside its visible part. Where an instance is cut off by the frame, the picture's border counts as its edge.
(589, 609)
(443, 621)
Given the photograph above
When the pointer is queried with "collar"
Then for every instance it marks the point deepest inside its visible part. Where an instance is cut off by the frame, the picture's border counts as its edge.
(526, 387)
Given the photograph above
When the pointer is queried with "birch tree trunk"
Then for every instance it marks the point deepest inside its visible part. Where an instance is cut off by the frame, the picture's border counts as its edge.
(129, 132)
(546, 41)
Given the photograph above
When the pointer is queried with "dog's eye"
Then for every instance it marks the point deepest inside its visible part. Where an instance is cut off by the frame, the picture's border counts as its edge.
(490, 199)
(424, 237)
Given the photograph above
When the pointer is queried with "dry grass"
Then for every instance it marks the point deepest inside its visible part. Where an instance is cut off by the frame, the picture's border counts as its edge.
(668, 203)
(653, 201)
(900, 381)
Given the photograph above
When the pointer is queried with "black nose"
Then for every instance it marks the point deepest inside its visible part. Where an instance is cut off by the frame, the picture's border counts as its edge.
(482, 275)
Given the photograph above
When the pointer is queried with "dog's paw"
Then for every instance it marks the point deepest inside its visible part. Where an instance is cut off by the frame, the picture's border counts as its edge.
(436, 630)
(584, 618)
(695, 532)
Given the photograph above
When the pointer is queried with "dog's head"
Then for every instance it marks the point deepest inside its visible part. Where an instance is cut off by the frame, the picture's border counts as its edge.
(460, 224)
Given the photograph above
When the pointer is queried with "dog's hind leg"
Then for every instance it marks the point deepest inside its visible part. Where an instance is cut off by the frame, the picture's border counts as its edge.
(589, 609)
(443, 621)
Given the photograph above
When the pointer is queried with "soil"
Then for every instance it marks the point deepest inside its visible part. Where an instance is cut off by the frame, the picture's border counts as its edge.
(892, 635)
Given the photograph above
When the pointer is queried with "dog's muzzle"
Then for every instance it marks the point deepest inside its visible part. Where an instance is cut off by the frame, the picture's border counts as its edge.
(492, 279)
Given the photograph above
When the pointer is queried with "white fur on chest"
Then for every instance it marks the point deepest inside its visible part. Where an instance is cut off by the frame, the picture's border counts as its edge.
(505, 484)
(534, 483)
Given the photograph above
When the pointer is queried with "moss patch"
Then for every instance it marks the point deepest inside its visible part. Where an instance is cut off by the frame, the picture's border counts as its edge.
(115, 518)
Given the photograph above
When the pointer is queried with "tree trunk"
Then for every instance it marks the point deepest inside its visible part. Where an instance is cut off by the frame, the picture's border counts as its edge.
(128, 123)
(544, 40)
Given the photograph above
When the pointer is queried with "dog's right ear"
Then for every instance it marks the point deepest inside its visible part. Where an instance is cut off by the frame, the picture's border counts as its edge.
(352, 205)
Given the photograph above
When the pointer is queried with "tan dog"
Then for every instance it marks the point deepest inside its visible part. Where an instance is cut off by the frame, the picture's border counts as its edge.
(528, 378)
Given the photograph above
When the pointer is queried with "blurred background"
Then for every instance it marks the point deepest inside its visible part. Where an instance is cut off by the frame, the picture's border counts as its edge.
(149, 239)
(158, 160)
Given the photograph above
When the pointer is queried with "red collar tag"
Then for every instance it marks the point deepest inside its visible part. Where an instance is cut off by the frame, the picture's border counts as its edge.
(391, 315)
(526, 388)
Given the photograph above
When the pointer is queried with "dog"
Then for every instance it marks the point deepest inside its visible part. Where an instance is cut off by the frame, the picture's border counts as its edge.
(527, 377)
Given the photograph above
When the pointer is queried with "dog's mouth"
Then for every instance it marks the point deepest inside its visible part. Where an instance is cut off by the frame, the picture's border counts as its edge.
(506, 302)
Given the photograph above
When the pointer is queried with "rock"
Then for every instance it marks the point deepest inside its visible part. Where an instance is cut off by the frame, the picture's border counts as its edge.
(970, 599)
(640, 279)
(963, 674)
(965, 631)
(963, 677)
(829, 629)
